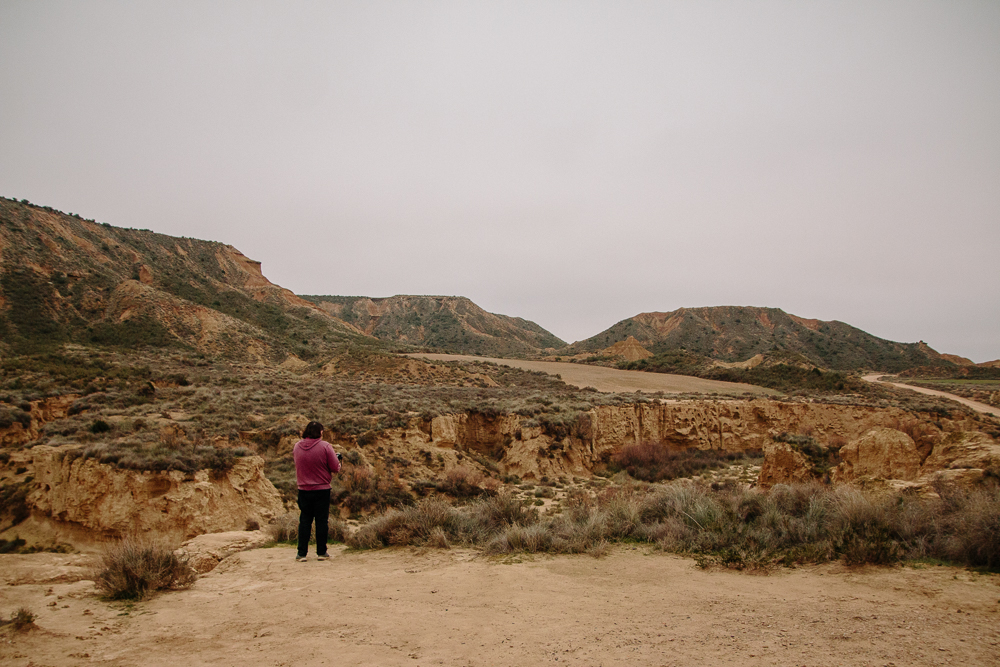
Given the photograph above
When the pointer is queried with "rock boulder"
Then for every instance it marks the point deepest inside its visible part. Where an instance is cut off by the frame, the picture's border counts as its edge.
(881, 453)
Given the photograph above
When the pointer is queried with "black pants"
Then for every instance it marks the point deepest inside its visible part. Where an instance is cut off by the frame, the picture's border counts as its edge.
(314, 505)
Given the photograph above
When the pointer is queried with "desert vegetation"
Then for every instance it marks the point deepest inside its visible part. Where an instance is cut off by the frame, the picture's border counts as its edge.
(732, 526)
(22, 620)
(135, 567)
(656, 462)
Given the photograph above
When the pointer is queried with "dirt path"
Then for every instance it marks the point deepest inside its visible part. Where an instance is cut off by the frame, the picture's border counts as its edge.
(975, 405)
(612, 379)
(410, 607)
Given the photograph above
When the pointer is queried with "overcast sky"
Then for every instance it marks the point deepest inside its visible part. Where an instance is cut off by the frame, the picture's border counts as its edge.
(572, 163)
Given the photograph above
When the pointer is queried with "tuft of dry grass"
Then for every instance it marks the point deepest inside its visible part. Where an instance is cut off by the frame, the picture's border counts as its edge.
(21, 620)
(134, 567)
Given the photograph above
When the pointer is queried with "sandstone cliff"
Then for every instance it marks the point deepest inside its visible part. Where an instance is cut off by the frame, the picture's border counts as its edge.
(521, 446)
(112, 502)
(885, 455)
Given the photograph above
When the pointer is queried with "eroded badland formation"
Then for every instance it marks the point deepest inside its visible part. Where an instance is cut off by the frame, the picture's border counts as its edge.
(156, 385)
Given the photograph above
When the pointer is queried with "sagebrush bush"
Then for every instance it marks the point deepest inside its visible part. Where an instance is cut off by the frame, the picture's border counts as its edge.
(133, 568)
(733, 527)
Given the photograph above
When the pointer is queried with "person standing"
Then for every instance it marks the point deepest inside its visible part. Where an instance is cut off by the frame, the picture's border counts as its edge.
(315, 465)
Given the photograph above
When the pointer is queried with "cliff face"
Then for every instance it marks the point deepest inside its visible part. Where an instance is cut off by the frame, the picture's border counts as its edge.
(112, 502)
(517, 446)
(66, 279)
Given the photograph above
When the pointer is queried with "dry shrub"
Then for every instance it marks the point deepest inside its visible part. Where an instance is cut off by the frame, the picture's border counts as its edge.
(285, 528)
(650, 461)
(461, 482)
(21, 620)
(421, 524)
(969, 522)
(735, 527)
(359, 488)
(531, 539)
(133, 568)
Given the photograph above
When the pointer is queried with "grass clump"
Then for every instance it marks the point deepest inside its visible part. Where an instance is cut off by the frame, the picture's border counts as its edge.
(133, 568)
(21, 620)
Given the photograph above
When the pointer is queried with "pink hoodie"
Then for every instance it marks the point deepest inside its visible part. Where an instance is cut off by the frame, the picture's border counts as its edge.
(315, 463)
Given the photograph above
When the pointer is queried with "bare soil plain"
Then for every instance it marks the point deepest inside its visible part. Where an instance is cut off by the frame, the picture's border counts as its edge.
(456, 607)
(613, 379)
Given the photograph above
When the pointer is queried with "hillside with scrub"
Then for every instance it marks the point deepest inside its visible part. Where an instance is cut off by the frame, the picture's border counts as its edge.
(737, 333)
(156, 384)
(445, 323)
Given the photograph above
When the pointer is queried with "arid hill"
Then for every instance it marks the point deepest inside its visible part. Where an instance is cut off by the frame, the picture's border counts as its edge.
(448, 323)
(65, 279)
(737, 333)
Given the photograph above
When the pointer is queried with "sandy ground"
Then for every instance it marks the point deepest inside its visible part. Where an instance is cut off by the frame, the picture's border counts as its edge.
(612, 379)
(430, 607)
(975, 405)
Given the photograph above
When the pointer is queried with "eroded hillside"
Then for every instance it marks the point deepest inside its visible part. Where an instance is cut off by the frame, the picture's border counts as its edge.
(447, 323)
(65, 279)
(737, 333)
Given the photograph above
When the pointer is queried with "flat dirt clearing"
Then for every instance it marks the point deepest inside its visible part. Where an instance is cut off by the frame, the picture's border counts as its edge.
(432, 607)
(612, 379)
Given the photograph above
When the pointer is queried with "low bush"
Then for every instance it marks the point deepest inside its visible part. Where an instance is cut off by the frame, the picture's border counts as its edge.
(133, 568)
(285, 528)
(654, 461)
(360, 488)
(732, 527)
(14, 502)
(11, 546)
(21, 620)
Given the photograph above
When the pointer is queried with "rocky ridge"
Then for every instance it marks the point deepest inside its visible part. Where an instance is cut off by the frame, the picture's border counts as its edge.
(451, 323)
(738, 333)
(66, 279)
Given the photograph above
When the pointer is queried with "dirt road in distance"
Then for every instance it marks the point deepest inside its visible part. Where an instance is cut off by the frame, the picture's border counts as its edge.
(975, 405)
(612, 379)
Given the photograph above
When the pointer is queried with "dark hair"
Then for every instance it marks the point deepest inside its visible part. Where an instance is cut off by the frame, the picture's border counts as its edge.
(313, 430)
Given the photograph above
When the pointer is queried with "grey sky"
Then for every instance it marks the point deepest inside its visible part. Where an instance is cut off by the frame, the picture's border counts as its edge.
(572, 163)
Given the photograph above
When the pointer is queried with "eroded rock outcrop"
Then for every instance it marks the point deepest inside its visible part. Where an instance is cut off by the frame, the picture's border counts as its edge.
(881, 453)
(525, 447)
(40, 412)
(204, 552)
(783, 465)
(962, 450)
(887, 457)
(172, 504)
